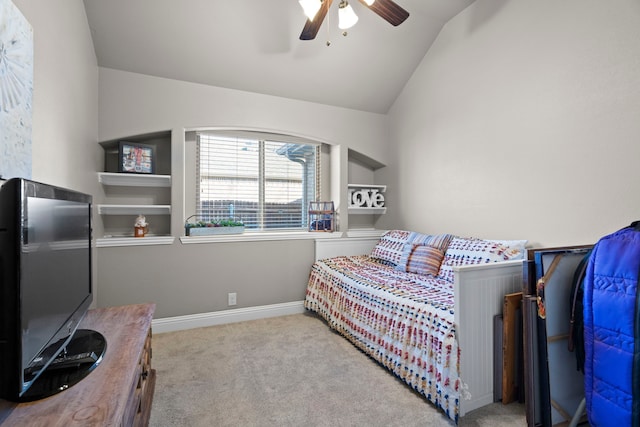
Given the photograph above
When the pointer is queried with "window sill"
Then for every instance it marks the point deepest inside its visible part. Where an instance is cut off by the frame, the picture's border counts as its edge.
(108, 242)
(260, 236)
(244, 237)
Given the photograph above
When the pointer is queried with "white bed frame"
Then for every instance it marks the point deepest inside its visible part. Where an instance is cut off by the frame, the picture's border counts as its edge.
(479, 295)
(479, 292)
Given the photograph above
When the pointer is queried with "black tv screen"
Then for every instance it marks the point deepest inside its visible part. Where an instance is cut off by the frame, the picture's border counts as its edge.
(46, 279)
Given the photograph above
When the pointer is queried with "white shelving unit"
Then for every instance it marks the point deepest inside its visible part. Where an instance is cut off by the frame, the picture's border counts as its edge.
(134, 180)
(367, 211)
(128, 195)
(134, 209)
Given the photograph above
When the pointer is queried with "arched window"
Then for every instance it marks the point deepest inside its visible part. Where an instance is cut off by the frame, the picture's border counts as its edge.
(265, 183)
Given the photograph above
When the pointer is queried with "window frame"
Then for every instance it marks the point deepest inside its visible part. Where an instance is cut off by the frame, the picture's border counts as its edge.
(281, 233)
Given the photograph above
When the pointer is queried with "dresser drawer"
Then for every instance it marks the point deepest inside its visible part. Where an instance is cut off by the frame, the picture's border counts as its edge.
(146, 385)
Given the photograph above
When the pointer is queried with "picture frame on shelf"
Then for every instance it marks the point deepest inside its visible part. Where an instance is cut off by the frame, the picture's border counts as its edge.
(134, 157)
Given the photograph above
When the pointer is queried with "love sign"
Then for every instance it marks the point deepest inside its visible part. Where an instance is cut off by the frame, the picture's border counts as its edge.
(366, 198)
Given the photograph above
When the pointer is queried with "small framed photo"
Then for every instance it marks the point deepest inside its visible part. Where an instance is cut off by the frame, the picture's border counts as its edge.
(136, 158)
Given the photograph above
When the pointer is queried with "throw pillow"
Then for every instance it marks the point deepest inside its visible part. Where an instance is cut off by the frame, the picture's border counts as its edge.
(390, 246)
(470, 251)
(424, 259)
(438, 241)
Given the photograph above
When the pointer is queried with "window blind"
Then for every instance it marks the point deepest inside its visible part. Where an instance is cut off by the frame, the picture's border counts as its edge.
(265, 184)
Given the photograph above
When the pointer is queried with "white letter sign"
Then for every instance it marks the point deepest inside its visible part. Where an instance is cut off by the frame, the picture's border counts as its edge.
(366, 198)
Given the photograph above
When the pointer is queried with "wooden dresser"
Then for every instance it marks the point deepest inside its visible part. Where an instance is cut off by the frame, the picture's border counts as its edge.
(118, 392)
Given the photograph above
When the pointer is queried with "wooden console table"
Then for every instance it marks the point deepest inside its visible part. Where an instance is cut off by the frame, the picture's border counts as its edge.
(118, 392)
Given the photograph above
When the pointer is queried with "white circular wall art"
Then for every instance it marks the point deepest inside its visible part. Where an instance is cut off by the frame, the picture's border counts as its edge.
(16, 91)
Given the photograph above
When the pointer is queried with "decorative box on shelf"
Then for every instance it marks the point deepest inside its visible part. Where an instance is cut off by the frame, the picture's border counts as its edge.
(212, 227)
(321, 216)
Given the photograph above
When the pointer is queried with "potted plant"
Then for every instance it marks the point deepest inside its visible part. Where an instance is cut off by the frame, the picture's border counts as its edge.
(215, 226)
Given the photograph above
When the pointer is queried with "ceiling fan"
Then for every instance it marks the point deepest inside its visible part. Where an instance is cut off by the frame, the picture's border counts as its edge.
(316, 10)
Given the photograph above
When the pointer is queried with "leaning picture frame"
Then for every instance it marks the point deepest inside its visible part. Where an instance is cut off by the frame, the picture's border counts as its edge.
(136, 158)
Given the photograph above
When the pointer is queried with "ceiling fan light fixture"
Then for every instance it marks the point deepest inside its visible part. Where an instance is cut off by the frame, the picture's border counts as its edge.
(310, 7)
(369, 2)
(347, 18)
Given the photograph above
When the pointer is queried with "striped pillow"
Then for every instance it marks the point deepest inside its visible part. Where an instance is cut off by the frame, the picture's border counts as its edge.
(438, 241)
(424, 259)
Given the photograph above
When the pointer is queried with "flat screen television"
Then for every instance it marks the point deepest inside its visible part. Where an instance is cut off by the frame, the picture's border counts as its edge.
(45, 290)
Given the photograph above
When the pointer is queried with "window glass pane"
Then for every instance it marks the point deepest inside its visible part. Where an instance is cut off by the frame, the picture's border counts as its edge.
(283, 187)
(227, 178)
(265, 184)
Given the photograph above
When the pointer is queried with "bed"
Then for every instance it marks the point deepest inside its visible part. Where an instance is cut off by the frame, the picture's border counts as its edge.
(422, 306)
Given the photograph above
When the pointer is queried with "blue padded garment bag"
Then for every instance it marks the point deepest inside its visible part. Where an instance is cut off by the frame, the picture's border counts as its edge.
(612, 330)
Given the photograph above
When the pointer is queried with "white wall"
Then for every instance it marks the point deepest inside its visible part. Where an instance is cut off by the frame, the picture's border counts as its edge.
(186, 279)
(134, 103)
(65, 97)
(522, 121)
(65, 94)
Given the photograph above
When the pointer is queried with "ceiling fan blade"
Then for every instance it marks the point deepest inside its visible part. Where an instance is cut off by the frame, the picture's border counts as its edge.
(311, 28)
(389, 11)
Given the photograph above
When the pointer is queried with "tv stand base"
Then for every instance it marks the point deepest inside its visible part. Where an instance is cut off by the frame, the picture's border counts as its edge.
(83, 354)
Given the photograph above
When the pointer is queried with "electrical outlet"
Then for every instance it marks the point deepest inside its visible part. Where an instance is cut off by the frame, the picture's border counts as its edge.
(232, 298)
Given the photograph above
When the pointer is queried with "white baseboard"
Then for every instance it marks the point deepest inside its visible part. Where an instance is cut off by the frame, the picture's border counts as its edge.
(200, 320)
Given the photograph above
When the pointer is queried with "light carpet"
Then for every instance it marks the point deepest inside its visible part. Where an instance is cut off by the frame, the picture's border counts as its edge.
(288, 371)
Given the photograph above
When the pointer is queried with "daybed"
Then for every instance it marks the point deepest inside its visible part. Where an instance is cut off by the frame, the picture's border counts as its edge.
(423, 307)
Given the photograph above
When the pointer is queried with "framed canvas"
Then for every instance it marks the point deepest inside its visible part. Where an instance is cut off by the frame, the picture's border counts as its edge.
(136, 158)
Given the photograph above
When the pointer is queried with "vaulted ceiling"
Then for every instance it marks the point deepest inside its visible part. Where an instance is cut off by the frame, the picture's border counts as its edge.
(253, 45)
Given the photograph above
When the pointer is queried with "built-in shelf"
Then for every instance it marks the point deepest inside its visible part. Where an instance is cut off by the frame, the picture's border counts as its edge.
(367, 211)
(134, 180)
(107, 242)
(381, 188)
(134, 209)
(127, 195)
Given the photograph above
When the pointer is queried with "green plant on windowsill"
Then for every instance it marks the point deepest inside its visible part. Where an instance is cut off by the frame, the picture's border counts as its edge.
(215, 226)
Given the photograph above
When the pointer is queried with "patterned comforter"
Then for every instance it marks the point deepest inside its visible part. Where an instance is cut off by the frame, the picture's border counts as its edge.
(402, 320)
